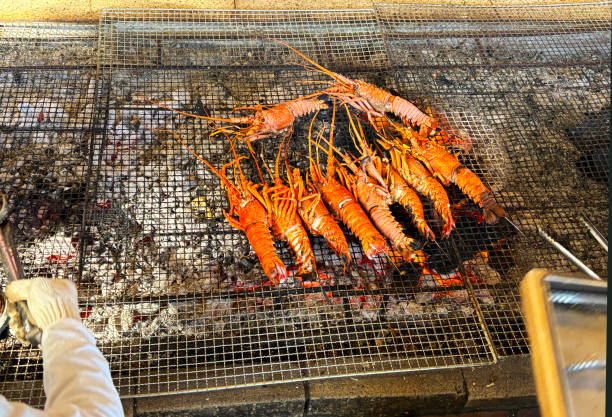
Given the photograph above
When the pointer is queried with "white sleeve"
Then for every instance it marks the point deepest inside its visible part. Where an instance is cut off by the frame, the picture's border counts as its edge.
(13, 409)
(76, 376)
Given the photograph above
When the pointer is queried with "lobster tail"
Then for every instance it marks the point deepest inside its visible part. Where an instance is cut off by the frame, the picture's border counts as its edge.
(491, 209)
(445, 212)
(411, 113)
(383, 219)
(423, 228)
(301, 108)
(357, 221)
(476, 190)
(432, 189)
(297, 240)
(260, 239)
(341, 201)
(319, 221)
(493, 213)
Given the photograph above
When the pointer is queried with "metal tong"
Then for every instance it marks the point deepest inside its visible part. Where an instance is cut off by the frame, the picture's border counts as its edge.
(570, 256)
(14, 271)
(603, 242)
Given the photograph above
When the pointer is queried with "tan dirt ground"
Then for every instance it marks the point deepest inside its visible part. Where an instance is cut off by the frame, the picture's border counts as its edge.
(88, 10)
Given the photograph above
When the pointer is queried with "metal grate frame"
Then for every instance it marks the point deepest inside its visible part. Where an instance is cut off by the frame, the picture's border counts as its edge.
(141, 222)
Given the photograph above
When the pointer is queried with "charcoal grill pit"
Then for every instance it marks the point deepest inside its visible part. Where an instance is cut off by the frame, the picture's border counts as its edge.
(102, 197)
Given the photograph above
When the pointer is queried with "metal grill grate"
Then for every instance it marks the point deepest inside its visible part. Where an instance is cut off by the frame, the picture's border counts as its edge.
(47, 112)
(165, 281)
(539, 78)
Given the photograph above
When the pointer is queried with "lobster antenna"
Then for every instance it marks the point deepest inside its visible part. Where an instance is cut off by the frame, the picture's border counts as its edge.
(229, 140)
(515, 226)
(330, 155)
(363, 147)
(252, 152)
(345, 155)
(197, 116)
(235, 157)
(318, 161)
(327, 151)
(286, 136)
(351, 122)
(438, 245)
(311, 161)
(268, 170)
(319, 66)
(280, 151)
(287, 169)
(342, 172)
(360, 129)
(208, 164)
(264, 106)
(392, 263)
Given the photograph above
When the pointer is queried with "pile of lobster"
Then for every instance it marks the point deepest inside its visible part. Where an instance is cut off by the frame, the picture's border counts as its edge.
(403, 163)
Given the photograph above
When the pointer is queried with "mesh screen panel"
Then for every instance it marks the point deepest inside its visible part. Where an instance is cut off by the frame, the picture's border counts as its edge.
(173, 293)
(539, 78)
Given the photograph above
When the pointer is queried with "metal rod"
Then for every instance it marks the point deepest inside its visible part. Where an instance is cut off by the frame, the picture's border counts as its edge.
(594, 232)
(569, 255)
(14, 271)
(585, 365)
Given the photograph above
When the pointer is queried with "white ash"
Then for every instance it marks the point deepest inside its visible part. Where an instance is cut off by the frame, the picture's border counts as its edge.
(424, 297)
(484, 297)
(367, 305)
(441, 310)
(458, 296)
(428, 303)
(54, 253)
(43, 138)
(110, 324)
(481, 270)
(467, 310)
(401, 308)
(43, 111)
(145, 264)
(120, 322)
(179, 98)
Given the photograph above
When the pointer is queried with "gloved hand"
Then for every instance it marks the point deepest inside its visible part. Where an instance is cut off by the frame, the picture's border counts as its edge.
(48, 299)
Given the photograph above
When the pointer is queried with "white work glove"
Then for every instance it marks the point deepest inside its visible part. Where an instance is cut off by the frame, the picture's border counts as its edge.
(49, 300)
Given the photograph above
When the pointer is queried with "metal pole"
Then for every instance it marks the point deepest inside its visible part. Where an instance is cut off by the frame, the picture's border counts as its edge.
(569, 255)
(595, 233)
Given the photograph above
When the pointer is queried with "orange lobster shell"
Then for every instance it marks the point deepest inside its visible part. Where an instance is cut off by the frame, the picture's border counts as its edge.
(417, 176)
(404, 195)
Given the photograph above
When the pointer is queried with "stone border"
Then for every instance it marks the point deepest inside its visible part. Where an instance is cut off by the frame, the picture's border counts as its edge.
(506, 385)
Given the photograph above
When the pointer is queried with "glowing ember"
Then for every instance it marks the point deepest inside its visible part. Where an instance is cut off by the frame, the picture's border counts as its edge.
(443, 280)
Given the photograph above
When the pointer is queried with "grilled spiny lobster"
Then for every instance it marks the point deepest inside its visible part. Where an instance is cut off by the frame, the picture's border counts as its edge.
(417, 176)
(317, 219)
(370, 99)
(286, 224)
(375, 199)
(252, 214)
(341, 202)
(447, 168)
(387, 176)
(268, 121)
(404, 195)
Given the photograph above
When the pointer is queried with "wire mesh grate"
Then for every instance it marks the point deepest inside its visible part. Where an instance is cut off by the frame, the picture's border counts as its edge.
(539, 77)
(173, 294)
(48, 107)
(373, 321)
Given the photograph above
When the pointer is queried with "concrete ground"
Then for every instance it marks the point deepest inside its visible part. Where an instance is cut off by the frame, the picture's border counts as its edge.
(80, 10)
